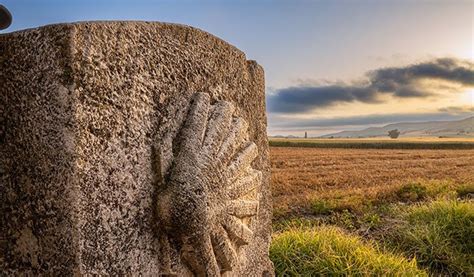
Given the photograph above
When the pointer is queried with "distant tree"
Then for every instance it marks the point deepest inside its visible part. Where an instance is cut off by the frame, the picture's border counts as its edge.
(305, 134)
(394, 133)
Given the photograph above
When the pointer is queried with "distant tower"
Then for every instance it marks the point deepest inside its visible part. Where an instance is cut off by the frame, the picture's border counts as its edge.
(305, 134)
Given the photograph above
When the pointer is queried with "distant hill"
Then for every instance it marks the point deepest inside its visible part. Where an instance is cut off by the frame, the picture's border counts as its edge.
(459, 128)
(280, 136)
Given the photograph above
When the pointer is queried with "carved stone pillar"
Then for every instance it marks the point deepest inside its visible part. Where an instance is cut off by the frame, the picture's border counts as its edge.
(131, 148)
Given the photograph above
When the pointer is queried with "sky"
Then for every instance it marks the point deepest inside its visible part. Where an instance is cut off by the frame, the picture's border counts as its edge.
(329, 65)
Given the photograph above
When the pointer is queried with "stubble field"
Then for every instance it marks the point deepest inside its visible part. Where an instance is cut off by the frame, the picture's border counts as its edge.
(365, 211)
(354, 177)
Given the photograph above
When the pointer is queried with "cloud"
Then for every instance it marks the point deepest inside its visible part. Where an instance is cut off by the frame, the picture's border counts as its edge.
(400, 82)
(457, 109)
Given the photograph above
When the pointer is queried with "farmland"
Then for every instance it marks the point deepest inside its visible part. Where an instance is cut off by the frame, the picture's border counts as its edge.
(376, 199)
(301, 176)
(378, 143)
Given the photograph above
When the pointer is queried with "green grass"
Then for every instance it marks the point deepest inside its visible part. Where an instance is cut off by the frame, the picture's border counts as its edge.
(372, 144)
(412, 192)
(322, 207)
(431, 222)
(328, 251)
(418, 191)
(360, 203)
(465, 191)
(439, 234)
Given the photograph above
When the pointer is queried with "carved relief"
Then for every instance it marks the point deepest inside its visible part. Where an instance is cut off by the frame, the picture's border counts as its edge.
(209, 195)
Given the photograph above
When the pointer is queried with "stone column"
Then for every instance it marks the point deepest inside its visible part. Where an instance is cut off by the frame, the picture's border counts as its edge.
(131, 148)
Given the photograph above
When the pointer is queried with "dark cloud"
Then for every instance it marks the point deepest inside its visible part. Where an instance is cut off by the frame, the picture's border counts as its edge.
(395, 81)
(304, 98)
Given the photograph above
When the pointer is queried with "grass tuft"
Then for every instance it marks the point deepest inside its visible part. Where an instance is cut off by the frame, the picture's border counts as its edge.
(412, 192)
(440, 235)
(322, 207)
(465, 191)
(327, 251)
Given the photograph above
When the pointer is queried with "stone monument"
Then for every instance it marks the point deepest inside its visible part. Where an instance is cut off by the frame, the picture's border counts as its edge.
(131, 148)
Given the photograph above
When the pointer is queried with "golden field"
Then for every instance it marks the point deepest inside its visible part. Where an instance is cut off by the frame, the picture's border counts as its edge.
(347, 211)
(351, 177)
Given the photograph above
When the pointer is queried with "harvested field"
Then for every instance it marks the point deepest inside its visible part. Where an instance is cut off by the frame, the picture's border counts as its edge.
(353, 178)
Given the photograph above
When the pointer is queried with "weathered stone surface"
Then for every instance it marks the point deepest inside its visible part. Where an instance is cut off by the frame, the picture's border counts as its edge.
(113, 152)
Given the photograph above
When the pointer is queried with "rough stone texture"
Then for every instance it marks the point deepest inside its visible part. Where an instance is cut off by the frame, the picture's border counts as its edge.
(99, 132)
